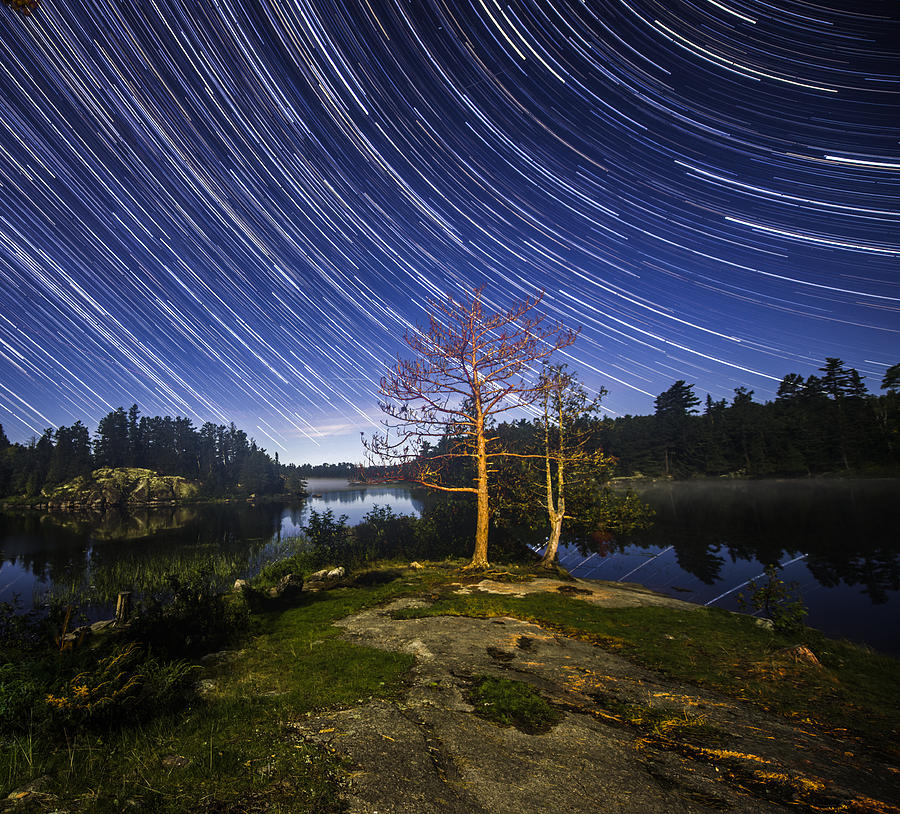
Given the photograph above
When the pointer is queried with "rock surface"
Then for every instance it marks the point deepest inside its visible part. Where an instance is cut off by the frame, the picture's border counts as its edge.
(288, 589)
(427, 753)
(108, 487)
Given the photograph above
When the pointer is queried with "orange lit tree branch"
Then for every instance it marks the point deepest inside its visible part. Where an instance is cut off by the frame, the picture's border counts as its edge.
(468, 366)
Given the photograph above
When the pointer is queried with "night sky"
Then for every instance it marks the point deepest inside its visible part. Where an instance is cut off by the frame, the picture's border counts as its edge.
(232, 211)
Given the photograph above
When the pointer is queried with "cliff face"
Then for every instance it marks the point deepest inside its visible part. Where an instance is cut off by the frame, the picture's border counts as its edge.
(106, 488)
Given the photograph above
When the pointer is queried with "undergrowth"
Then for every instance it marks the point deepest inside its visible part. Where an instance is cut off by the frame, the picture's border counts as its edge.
(120, 726)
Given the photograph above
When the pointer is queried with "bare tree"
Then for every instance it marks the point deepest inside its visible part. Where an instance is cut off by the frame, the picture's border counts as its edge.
(468, 365)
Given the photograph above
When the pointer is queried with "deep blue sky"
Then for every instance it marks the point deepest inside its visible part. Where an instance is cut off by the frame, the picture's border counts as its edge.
(231, 211)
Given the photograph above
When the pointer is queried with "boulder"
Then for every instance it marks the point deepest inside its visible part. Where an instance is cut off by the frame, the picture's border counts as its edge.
(107, 487)
(336, 573)
(183, 489)
(140, 493)
(416, 565)
(159, 489)
(288, 589)
(318, 576)
(802, 655)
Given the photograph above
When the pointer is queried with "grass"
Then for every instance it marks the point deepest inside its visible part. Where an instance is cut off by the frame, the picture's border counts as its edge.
(233, 749)
(855, 693)
(512, 703)
(147, 574)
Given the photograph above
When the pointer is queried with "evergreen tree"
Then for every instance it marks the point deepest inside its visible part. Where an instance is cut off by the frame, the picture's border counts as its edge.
(791, 388)
(673, 410)
(71, 455)
(5, 463)
(715, 437)
(135, 444)
(837, 381)
(891, 380)
(111, 446)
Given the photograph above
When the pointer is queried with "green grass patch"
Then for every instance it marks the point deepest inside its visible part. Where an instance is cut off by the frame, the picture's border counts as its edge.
(233, 749)
(856, 691)
(512, 703)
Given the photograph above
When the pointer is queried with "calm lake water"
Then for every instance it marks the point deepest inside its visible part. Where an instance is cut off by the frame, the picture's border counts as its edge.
(837, 539)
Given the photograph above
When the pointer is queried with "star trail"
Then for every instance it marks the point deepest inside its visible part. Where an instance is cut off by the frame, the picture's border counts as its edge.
(232, 211)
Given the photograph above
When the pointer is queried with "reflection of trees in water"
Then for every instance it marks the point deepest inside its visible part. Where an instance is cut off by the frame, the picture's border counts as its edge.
(701, 561)
(844, 527)
(25, 543)
(396, 498)
(877, 571)
(73, 552)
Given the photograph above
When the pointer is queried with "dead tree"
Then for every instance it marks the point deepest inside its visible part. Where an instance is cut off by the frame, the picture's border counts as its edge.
(469, 365)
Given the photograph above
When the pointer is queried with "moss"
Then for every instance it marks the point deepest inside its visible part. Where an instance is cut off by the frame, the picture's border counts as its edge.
(512, 703)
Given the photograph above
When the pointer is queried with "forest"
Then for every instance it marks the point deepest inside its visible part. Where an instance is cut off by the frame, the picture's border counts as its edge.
(821, 424)
(344, 469)
(825, 424)
(223, 458)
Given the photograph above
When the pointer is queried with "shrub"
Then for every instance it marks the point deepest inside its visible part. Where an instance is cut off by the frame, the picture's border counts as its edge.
(384, 534)
(324, 532)
(777, 600)
(193, 618)
(21, 692)
(19, 630)
(123, 686)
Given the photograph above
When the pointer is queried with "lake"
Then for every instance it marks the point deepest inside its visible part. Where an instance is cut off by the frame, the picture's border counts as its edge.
(837, 539)
(97, 555)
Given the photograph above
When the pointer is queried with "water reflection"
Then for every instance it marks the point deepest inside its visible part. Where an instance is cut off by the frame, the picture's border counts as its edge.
(353, 501)
(708, 539)
(836, 537)
(97, 554)
(844, 528)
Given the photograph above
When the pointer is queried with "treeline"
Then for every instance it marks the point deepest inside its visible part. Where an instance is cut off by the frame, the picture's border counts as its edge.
(222, 457)
(820, 424)
(344, 469)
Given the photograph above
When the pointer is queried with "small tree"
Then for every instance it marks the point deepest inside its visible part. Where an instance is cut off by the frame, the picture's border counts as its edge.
(468, 366)
(567, 410)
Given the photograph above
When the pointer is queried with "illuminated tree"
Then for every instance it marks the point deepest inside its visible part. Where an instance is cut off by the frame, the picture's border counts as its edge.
(569, 462)
(468, 366)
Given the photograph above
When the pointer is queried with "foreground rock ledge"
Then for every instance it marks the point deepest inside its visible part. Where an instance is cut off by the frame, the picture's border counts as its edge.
(427, 753)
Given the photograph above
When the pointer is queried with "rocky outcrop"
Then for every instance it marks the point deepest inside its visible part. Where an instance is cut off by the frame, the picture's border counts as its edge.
(326, 575)
(108, 488)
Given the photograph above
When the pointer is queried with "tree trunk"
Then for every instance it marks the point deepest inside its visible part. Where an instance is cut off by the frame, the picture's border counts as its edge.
(549, 557)
(558, 511)
(479, 557)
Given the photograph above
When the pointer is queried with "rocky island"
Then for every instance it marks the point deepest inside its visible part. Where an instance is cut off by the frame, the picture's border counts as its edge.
(119, 487)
